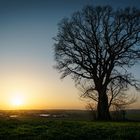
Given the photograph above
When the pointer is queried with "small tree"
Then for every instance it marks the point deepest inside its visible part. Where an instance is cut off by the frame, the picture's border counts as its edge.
(99, 45)
(91, 106)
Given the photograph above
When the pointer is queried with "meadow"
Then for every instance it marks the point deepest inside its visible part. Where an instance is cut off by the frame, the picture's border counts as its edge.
(28, 125)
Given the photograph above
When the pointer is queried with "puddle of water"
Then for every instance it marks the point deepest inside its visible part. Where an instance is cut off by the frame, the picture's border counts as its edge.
(13, 116)
(44, 115)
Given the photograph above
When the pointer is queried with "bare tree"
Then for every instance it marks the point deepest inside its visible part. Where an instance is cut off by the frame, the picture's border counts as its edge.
(99, 44)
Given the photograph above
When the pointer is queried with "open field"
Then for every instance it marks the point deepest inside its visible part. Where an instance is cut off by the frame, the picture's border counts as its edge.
(58, 126)
(70, 130)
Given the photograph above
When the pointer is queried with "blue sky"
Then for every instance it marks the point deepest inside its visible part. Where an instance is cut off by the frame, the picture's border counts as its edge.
(26, 49)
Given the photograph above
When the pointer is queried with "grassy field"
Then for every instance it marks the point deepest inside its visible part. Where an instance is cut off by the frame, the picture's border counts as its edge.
(31, 127)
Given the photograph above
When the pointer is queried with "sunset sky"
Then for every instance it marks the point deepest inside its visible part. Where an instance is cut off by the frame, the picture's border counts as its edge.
(27, 58)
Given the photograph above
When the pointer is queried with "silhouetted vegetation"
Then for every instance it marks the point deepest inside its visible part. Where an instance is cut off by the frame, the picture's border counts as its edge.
(96, 46)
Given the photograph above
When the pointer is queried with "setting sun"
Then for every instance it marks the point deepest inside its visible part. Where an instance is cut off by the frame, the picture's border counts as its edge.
(17, 100)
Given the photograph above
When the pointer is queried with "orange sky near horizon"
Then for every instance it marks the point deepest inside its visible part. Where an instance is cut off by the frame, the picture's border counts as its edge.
(38, 92)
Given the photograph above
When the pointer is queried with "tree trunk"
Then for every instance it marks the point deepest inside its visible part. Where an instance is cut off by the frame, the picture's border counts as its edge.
(102, 108)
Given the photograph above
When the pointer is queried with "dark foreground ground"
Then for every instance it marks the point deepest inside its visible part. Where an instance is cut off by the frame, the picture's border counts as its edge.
(30, 125)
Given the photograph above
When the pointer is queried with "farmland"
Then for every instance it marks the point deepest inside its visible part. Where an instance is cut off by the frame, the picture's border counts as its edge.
(61, 125)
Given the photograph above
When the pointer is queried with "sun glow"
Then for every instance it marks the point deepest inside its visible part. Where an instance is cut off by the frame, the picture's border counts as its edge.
(17, 100)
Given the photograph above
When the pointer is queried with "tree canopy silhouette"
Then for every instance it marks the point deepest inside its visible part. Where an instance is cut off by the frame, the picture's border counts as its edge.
(99, 44)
